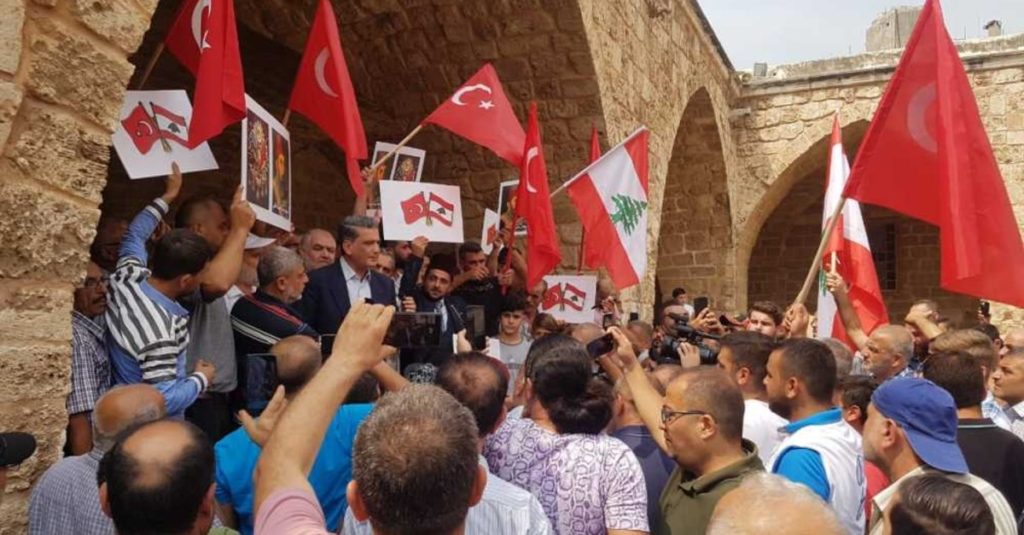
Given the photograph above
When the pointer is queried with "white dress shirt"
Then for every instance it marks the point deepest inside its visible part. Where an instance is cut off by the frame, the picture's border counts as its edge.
(358, 287)
(503, 509)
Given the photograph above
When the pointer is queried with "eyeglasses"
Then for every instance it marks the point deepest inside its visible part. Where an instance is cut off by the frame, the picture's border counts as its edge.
(92, 282)
(668, 415)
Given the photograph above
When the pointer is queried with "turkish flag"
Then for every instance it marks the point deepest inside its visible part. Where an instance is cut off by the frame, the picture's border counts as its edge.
(533, 203)
(926, 155)
(431, 208)
(145, 129)
(323, 92)
(480, 112)
(205, 40)
(564, 295)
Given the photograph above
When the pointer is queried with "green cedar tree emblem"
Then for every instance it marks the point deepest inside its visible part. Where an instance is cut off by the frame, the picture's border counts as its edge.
(627, 212)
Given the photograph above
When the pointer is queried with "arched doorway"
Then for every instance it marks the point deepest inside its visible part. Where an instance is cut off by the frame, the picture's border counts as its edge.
(695, 242)
(906, 251)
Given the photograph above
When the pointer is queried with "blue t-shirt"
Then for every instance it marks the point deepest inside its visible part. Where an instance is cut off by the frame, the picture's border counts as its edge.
(237, 455)
(656, 466)
(803, 465)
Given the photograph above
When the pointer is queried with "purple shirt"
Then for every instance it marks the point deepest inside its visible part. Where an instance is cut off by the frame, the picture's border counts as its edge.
(587, 484)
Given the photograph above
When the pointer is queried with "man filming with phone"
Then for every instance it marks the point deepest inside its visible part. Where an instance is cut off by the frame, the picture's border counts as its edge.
(434, 296)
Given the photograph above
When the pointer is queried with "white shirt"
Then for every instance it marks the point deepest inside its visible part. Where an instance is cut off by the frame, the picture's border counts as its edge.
(358, 288)
(1015, 415)
(503, 509)
(1006, 524)
(990, 409)
(761, 426)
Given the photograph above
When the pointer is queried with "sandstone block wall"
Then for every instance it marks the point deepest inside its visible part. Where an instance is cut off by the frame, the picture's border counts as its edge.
(63, 69)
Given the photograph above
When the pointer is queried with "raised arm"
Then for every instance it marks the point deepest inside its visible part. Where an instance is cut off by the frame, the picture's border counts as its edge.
(141, 228)
(851, 322)
(292, 448)
(363, 201)
(413, 265)
(647, 400)
(223, 270)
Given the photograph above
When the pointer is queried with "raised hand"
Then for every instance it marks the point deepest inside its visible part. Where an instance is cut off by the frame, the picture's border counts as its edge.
(623, 355)
(242, 215)
(360, 336)
(259, 430)
(173, 187)
(206, 368)
(796, 321)
(419, 246)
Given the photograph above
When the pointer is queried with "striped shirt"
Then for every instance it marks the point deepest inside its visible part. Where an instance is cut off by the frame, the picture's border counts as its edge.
(147, 332)
(503, 509)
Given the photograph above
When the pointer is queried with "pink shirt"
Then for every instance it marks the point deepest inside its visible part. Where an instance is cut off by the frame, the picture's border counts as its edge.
(291, 512)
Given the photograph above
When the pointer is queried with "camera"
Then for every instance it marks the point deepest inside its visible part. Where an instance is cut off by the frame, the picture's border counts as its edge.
(668, 351)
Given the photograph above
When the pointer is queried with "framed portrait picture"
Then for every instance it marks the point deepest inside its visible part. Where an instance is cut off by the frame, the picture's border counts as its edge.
(507, 206)
(266, 166)
(405, 166)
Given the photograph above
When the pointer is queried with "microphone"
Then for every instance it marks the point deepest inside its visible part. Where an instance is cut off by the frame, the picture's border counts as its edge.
(15, 448)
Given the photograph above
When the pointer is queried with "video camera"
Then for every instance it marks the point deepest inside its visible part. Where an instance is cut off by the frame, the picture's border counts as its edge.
(668, 351)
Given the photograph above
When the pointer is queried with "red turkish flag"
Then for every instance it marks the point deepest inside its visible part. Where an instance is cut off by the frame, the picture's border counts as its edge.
(323, 92)
(926, 155)
(533, 203)
(145, 130)
(431, 208)
(205, 40)
(480, 112)
(564, 295)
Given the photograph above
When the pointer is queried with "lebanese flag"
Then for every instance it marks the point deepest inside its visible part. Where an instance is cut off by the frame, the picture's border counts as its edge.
(610, 196)
(480, 112)
(533, 203)
(849, 242)
(926, 155)
(145, 129)
(323, 92)
(432, 207)
(205, 40)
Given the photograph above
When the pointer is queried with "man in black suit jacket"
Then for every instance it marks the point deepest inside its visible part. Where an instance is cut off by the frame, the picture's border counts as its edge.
(434, 296)
(333, 289)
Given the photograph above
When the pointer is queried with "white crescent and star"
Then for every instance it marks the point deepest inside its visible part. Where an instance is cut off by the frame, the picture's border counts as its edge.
(530, 155)
(318, 71)
(484, 104)
(202, 7)
(917, 113)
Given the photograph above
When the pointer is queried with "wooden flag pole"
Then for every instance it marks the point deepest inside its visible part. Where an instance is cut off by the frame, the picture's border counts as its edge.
(401, 144)
(816, 263)
(149, 66)
(287, 115)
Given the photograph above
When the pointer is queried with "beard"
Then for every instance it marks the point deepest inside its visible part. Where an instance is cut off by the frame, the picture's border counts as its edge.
(780, 408)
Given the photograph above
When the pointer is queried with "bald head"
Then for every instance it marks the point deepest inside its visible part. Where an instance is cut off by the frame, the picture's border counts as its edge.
(123, 407)
(585, 333)
(318, 248)
(764, 503)
(298, 359)
(158, 478)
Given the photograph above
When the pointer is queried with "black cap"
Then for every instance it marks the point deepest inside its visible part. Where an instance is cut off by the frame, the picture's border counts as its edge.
(15, 448)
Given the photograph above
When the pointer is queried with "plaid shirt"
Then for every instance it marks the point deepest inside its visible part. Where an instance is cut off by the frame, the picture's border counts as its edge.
(66, 499)
(90, 366)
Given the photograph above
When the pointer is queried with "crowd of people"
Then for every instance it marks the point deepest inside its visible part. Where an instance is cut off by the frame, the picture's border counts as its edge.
(227, 376)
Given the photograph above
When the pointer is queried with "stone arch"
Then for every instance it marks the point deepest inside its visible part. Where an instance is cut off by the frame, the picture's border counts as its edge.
(695, 240)
(789, 218)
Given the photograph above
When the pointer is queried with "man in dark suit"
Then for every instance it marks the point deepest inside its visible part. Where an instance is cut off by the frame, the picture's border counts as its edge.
(333, 289)
(433, 296)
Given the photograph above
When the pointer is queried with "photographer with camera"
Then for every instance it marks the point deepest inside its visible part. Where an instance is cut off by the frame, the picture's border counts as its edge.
(699, 423)
(686, 343)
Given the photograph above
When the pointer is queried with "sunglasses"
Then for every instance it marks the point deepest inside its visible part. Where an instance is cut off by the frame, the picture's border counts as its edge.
(668, 415)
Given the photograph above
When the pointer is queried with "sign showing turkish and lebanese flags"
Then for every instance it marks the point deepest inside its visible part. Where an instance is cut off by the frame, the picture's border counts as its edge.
(533, 204)
(849, 244)
(480, 112)
(570, 298)
(610, 196)
(926, 155)
(153, 133)
(411, 209)
(489, 234)
(323, 92)
(205, 40)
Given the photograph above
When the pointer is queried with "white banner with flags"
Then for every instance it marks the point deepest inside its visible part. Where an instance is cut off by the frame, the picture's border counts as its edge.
(570, 298)
(153, 132)
(413, 209)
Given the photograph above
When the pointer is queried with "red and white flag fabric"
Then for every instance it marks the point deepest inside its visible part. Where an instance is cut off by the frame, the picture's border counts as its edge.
(480, 112)
(204, 38)
(429, 207)
(146, 130)
(926, 155)
(849, 243)
(610, 196)
(595, 153)
(323, 92)
(570, 298)
(533, 204)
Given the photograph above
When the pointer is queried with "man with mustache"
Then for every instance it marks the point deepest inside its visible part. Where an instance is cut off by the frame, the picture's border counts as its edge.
(90, 366)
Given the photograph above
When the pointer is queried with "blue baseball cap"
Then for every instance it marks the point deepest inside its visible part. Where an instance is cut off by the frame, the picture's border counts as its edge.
(927, 414)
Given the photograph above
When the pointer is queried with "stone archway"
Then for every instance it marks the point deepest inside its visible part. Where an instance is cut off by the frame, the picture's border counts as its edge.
(906, 251)
(695, 242)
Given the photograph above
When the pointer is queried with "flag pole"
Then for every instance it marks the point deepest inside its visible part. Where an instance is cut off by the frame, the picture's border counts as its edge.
(398, 147)
(567, 183)
(152, 63)
(287, 115)
(816, 263)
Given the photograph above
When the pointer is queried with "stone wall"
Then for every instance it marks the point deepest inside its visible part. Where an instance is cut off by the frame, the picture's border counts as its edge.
(63, 69)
